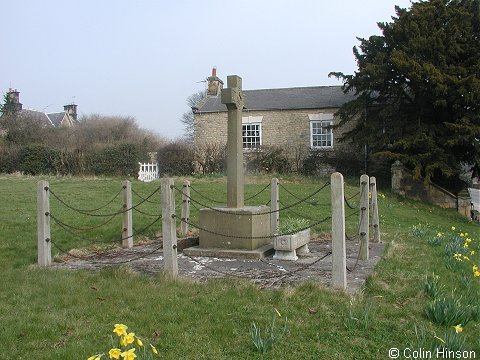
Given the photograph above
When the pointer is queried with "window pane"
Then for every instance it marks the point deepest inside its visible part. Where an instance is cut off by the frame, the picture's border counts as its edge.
(321, 134)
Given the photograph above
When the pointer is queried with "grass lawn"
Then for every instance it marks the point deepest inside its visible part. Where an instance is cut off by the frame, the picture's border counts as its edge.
(62, 314)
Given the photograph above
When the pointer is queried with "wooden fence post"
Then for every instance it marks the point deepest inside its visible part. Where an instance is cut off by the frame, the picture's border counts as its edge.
(127, 229)
(185, 216)
(339, 262)
(44, 246)
(374, 209)
(274, 207)
(363, 230)
(169, 231)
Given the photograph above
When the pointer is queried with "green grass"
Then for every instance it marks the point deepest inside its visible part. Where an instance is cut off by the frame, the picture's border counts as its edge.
(62, 314)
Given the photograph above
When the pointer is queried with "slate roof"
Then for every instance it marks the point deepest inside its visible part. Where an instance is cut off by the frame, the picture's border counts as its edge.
(51, 119)
(315, 97)
(36, 116)
(56, 118)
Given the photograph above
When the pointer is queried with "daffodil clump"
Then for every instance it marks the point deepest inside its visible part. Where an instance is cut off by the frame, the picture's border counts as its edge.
(128, 344)
(467, 251)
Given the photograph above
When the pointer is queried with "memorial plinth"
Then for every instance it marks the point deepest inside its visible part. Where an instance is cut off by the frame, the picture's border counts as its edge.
(246, 228)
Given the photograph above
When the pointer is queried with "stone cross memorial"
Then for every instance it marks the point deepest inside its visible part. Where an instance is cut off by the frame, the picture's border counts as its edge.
(232, 97)
(235, 230)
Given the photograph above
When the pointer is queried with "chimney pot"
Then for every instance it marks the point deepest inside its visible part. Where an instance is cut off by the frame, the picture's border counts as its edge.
(214, 71)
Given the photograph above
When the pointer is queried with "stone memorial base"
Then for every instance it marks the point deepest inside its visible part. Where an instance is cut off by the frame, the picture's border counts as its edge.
(234, 232)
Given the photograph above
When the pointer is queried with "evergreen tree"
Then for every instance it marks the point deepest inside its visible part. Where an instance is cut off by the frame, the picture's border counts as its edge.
(418, 89)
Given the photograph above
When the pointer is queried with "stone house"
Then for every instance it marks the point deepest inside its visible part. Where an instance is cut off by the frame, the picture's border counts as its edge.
(294, 119)
(65, 118)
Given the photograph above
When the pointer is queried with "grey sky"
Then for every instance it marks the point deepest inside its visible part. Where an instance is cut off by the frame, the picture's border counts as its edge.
(144, 58)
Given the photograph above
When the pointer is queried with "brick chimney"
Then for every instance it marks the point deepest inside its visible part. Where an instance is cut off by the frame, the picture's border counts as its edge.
(215, 85)
(71, 110)
(13, 97)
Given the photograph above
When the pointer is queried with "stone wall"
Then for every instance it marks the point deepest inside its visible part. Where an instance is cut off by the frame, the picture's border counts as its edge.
(404, 184)
(288, 129)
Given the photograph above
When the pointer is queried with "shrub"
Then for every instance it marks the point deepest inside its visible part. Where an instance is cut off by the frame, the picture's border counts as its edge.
(116, 160)
(176, 158)
(211, 158)
(268, 159)
(347, 161)
(10, 159)
(37, 159)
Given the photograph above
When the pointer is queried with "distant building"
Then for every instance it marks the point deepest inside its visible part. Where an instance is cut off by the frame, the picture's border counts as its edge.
(298, 117)
(65, 118)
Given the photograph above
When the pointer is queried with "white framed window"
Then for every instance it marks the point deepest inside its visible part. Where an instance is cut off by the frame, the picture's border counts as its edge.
(321, 134)
(252, 136)
(252, 132)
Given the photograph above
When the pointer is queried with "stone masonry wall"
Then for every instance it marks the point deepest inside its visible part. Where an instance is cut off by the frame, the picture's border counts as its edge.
(404, 184)
(283, 128)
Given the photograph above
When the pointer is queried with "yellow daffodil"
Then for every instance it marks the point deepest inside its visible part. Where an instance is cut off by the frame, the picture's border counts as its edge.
(466, 234)
(468, 241)
(466, 258)
(129, 354)
(462, 235)
(453, 228)
(95, 357)
(138, 341)
(439, 234)
(476, 273)
(120, 329)
(472, 252)
(128, 338)
(475, 268)
(465, 245)
(154, 350)
(114, 353)
(458, 328)
(457, 256)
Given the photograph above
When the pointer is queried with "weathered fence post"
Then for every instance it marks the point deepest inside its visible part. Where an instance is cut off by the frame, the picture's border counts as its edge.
(44, 245)
(127, 229)
(374, 210)
(185, 215)
(168, 228)
(363, 230)
(339, 262)
(274, 206)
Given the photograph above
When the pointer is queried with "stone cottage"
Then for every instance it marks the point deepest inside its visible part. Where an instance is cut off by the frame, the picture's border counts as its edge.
(288, 118)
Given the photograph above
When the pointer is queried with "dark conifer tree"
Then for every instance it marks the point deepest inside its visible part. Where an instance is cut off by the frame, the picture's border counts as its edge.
(418, 88)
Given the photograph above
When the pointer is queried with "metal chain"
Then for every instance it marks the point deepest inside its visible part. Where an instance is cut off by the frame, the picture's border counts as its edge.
(142, 198)
(250, 237)
(304, 267)
(111, 214)
(257, 214)
(83, 210)
(144, 213)
(359, 249)
(100, 253)
(258, 193)
(205, 197)
(92, 241)
(295, 196)
(294, 212)
(79, 228)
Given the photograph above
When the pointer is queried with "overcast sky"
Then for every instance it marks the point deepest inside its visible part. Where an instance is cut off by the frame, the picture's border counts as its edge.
(144, 58)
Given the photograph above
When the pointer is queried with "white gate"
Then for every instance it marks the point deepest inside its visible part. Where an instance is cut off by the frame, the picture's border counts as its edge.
(148, 172)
